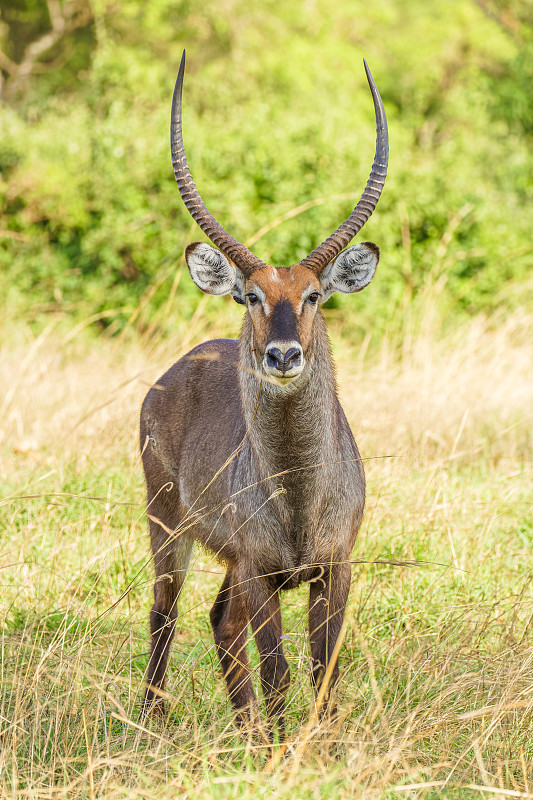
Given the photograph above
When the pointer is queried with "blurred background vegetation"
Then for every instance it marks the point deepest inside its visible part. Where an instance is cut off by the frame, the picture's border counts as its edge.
(279, 128)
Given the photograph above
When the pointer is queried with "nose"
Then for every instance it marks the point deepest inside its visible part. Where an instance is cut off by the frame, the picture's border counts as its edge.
(284, 360)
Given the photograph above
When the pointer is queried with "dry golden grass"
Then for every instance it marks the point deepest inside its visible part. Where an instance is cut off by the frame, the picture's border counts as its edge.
(436, 690)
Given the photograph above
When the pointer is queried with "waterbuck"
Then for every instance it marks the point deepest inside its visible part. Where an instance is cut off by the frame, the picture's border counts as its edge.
(247, 450)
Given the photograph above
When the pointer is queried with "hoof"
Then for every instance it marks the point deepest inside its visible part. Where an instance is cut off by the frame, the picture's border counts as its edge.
(153, 706)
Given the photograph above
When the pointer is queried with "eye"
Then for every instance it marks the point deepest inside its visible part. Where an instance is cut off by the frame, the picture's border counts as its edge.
(252, 298)
(313, 297)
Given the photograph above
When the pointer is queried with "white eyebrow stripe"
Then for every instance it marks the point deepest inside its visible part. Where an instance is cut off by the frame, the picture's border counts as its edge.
(261, 295)
(259, 292)
(305, 294)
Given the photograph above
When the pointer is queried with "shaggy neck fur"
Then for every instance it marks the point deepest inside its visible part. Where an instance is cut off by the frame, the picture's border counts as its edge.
(291, 427)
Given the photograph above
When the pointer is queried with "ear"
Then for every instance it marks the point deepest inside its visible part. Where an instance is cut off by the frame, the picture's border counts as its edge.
(351, 271)
(212, 272)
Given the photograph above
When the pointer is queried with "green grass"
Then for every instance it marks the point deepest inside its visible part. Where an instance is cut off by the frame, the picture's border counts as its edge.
(436, 688)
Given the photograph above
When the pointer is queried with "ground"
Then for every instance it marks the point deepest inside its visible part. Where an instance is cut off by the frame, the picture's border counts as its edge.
(436, 689)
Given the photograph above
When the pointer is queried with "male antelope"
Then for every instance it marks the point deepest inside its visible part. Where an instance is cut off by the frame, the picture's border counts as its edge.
(250, 434)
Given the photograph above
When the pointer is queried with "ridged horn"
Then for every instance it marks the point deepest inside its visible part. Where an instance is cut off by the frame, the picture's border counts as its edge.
(238, 253)
(331, 247)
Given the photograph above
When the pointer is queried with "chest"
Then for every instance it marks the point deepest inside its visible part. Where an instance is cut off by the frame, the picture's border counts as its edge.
(296, 519)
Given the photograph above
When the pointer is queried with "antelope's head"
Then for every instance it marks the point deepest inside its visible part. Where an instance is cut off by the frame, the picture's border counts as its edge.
(282, 302)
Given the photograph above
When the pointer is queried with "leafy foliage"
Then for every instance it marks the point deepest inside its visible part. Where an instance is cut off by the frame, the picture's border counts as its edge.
(276, 114)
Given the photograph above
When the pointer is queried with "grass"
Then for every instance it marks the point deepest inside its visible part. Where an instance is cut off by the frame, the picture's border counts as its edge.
(436, 689)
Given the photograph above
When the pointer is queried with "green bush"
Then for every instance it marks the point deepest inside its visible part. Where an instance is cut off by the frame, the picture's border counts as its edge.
(276, 113)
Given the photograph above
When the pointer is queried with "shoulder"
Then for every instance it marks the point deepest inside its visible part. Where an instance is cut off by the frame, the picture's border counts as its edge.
(214, 361)
(225, 350)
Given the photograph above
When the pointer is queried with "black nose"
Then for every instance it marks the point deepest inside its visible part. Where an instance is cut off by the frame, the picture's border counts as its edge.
(284, 361)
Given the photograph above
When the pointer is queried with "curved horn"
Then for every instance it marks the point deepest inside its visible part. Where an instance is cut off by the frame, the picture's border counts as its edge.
(238, 253)
(332, 246)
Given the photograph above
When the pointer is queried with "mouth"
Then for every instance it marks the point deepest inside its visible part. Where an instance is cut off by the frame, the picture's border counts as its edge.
(277, 379)
(283, 381)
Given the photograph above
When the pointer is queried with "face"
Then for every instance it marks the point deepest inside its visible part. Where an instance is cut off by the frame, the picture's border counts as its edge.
(282, 304)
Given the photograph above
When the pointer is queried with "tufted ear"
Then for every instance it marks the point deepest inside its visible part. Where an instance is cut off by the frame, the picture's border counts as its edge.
(212, 272)
(351, 271)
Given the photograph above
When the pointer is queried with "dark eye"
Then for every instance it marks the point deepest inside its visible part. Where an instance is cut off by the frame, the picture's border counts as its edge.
(313, 297)
(252, 298)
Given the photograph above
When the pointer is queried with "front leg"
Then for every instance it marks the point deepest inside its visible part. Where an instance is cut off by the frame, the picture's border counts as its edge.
(327, 600)
(262, 600)
(171, 559)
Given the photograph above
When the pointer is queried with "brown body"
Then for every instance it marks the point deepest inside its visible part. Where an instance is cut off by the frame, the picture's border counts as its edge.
(247, 450)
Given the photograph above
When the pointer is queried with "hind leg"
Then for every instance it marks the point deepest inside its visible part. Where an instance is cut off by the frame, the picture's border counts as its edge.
(171, 558)
(229, 620)
(328, 595)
